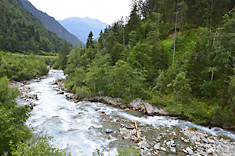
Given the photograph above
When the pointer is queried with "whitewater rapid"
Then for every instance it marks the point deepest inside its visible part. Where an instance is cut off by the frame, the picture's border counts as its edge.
(76, 127)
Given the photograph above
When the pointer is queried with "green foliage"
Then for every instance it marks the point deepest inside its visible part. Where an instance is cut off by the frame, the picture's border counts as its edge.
(231, 91)
(22, 67)
(62, 60)
(12, 118)
(126, 81)
(98, 152)
(37, 146)
(133, 58)
(181, 87)
(15, 135)
(128, 151)
(20, 31)
(90, 41)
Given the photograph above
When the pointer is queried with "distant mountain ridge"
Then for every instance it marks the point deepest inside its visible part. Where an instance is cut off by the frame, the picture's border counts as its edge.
(51, 24)
(81, 27)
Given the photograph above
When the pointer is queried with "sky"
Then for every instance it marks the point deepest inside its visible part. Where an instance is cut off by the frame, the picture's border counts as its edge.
(107, 11)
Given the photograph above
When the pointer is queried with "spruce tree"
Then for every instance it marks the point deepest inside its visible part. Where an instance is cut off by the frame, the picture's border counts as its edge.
(90, 41)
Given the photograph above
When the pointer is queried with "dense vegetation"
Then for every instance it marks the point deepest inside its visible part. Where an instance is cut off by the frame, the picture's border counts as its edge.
(21, 67)
(16, 138)
(20, 31)
(176, 53)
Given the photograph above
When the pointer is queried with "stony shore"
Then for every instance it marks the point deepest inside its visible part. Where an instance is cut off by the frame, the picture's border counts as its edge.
(153, 140)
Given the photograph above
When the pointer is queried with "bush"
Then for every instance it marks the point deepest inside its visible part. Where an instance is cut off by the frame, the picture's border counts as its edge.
(22, 67)
(128, 151)
(37, 146)
(82, 92)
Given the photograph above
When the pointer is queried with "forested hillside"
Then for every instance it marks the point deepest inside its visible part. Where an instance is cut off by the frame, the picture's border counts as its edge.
(51, 24)
(20, 31)
(175, 53)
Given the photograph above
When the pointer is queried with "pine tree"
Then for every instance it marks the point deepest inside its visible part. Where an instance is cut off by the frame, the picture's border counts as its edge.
(90, 41)
(37, 36)
(63, 55)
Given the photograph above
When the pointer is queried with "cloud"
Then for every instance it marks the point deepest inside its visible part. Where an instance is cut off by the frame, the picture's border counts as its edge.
(105, 10)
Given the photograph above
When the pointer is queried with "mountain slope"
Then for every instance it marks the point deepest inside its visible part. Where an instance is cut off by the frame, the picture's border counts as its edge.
(81, 27)
(51, 24)
(20, 31)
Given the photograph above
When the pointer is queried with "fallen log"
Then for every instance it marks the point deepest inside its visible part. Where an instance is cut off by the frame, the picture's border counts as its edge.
(137, 130)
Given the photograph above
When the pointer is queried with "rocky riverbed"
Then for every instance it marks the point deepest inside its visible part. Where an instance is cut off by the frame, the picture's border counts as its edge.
(152, 139)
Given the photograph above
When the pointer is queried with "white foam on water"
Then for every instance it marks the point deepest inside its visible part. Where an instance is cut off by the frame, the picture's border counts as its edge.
(72, 124)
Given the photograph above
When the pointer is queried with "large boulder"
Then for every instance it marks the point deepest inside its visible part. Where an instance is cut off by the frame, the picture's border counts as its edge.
(136, 104)
(109, 101)
(149, 109)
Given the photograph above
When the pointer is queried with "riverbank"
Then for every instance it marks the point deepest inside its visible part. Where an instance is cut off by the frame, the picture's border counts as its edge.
(155, 138)
(137, 105)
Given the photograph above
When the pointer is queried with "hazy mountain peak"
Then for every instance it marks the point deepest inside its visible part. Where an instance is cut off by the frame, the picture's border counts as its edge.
(51, 24)
(81, 27)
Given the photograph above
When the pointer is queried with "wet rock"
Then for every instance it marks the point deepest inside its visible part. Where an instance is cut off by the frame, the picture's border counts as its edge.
(123, 131)
(160, 111)
(210, 150)
(158, 138)
(136, 104)
(122, 106)
(143, 144)
(60, 92)
(133, 132)
(189, 150)
(163, 149)
(54, 83)
(36, 80)
(173, 149)
(149, 109)
(70, 96)
(32, 96)
(157, 146)
(108, 131)
(43, 77)
(145, 151)
(109, 101)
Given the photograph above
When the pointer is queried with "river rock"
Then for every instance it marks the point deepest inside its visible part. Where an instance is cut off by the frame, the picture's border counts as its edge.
(189, 150)
(157, 146)
(32, 96)
(163, 149)
(133, 132)
(210, 150)
(149, 109)
(160, 111)
(70, 96)
(108, 131)
(109, 101)
(136, 104)
(36, 80)
(143, 144)
(60, 92)
(55, 83)
(122, 106)
(173, 149)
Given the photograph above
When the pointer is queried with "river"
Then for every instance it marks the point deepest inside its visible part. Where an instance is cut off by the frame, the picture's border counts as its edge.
(79, 127)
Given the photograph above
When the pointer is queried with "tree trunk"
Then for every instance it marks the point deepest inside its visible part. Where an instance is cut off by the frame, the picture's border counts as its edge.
(212, 76)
